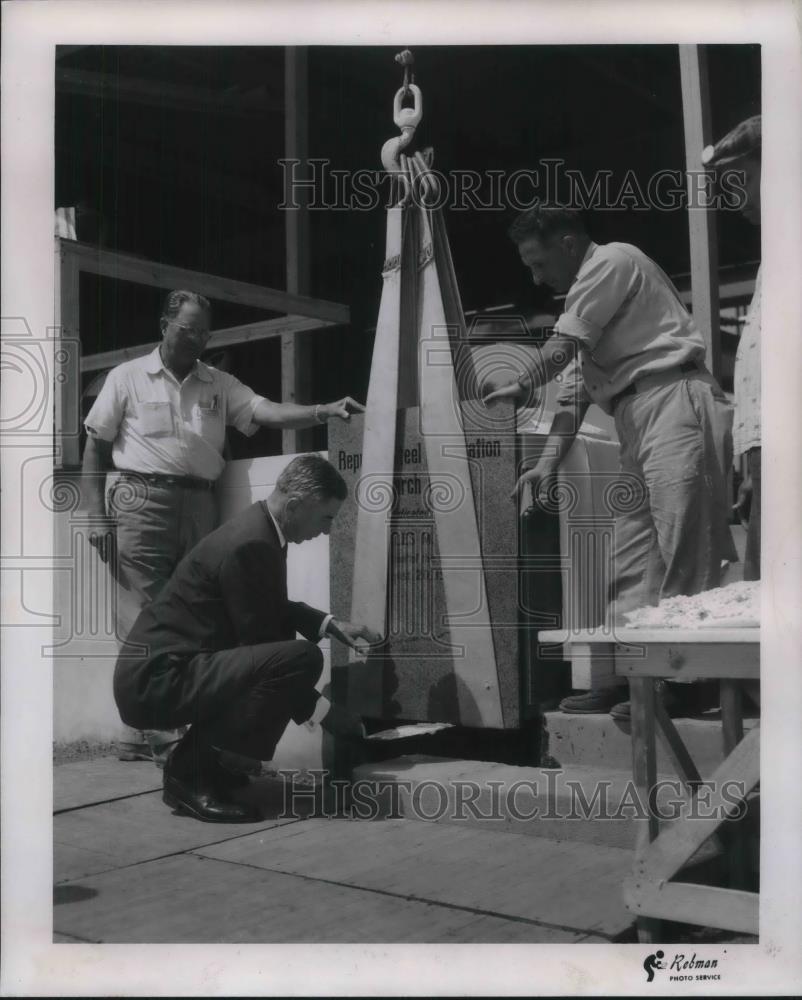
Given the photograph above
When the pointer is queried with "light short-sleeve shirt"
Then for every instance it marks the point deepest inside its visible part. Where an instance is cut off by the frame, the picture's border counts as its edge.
(746, 383)
(159, 425)
(628, 321)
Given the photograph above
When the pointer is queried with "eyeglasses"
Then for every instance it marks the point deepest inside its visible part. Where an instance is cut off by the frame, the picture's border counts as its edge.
(194, 330)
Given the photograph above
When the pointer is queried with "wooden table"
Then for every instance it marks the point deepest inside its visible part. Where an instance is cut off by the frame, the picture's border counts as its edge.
(645, 657)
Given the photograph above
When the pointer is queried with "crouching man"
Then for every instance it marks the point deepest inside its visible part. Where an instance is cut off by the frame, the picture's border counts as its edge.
(217, 651)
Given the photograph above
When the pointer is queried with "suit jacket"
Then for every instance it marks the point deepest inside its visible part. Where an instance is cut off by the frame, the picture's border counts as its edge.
(230, 590)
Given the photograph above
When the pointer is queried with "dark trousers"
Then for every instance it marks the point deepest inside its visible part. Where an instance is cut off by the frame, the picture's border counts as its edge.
(238, 699)
(752, 553)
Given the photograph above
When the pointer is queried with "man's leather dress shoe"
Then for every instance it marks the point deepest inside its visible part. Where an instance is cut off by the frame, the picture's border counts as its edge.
(205, 802)
(223, 778)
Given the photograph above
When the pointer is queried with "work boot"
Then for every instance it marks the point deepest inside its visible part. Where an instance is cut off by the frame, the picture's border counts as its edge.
(596, 702)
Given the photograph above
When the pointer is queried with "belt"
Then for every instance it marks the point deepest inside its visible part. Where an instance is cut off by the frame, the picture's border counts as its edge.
(658, 378)
(156, 479)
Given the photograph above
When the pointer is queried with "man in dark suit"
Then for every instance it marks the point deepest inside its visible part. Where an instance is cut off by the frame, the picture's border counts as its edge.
(217, 648)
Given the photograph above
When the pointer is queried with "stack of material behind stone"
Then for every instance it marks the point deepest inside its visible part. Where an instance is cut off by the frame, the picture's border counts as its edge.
(734, 606)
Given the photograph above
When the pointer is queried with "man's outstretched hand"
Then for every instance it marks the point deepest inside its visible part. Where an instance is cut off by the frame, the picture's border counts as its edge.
(539, 479)
(513, 390)
(349, 633)
(342, 408)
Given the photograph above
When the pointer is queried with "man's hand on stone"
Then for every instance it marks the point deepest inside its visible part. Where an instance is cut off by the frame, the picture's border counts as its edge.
(342, 408)
(513, 390)
(349, 633)
(340, 722)
(539, 479)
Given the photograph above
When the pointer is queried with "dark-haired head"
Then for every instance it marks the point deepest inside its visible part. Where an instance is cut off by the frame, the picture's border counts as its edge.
(308, 495)
(552, 242)
(544, 222)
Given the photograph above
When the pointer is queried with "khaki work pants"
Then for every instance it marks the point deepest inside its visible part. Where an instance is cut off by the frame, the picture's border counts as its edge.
(672, 538)
(157, 525)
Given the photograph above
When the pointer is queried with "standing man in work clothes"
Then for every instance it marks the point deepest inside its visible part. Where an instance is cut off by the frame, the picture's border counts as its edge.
(626, 342)
(217, 648)
(740, 150)
(160, 422)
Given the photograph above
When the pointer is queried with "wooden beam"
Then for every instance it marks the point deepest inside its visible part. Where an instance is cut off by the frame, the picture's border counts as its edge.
(296, 355)
(644, 771)
(644, 755)
(284, 326)
(678, 842)
(701, 222)
(732, 716)
(677, 750)
(738, 290)
(732, 728)
(163, 93)
(704, 905)
(688, 662)
(126, 267)
(67, 409)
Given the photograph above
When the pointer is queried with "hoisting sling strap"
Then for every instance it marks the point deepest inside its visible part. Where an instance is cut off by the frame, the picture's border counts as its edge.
(436, 308)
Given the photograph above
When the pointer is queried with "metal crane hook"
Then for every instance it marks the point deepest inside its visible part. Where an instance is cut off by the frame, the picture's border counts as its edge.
(407, 119)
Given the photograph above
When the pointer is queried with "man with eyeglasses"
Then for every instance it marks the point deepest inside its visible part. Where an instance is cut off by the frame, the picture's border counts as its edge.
(159, 423)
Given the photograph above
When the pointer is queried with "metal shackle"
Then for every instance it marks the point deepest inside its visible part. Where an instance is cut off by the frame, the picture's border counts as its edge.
(408, 117)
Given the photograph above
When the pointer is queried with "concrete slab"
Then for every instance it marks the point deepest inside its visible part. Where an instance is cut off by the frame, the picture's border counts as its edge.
(89, 781)
(191, 899)
(71, 939)
(71, 862)
(566, 886)
(587, 739)
(132, 830)
(504, 798)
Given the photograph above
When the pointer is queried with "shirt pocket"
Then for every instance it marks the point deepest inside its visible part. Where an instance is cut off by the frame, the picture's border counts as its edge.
(155, 419)
(210, 425)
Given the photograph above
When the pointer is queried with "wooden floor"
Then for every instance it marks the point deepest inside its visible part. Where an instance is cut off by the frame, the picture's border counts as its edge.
(127, 870)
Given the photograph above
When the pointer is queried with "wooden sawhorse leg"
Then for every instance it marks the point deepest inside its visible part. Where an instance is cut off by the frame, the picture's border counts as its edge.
(732, 724)
(644, 770)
